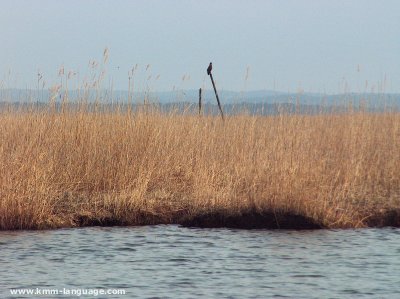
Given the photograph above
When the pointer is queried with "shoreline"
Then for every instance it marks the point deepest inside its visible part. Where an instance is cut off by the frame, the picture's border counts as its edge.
(269, 220)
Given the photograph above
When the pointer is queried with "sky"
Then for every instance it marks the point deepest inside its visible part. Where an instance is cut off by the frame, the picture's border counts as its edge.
(319, 46)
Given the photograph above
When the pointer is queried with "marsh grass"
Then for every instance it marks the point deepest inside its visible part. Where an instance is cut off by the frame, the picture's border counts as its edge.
(77, 167)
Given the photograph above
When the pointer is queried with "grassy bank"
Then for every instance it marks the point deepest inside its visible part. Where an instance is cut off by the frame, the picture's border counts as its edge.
(70, 169)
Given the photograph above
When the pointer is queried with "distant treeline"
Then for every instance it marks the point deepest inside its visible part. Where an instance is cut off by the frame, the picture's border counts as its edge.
(193, 108)
(374, 100)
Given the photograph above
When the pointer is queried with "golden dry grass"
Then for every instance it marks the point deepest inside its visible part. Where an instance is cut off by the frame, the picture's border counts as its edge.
(76, 168)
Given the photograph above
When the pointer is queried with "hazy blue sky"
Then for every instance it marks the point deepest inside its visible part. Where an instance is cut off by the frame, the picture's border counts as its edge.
(315, 45)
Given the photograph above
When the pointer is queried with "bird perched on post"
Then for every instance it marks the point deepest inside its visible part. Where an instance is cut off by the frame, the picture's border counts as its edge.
(209, 69)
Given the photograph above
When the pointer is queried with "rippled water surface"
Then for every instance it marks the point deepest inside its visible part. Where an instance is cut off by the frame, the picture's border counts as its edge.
(176, 262)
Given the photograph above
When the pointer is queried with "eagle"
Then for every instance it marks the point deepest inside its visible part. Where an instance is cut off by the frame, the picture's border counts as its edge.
(209, 69)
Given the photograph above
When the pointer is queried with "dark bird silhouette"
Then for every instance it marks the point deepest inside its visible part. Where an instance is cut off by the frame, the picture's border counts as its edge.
(209, 69)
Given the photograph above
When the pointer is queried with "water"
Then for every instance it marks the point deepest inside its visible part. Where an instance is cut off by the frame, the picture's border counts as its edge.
(176, 262)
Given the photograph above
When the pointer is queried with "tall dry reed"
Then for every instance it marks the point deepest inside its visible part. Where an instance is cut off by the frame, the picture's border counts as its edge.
(69, 168)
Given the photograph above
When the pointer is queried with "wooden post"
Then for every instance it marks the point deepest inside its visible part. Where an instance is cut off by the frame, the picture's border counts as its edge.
(199, 101)
(216, 95)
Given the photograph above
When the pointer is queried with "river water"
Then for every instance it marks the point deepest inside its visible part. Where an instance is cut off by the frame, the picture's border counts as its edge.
(176, 262)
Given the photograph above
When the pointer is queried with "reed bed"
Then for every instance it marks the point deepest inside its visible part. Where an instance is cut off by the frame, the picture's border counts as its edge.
(78, 167)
